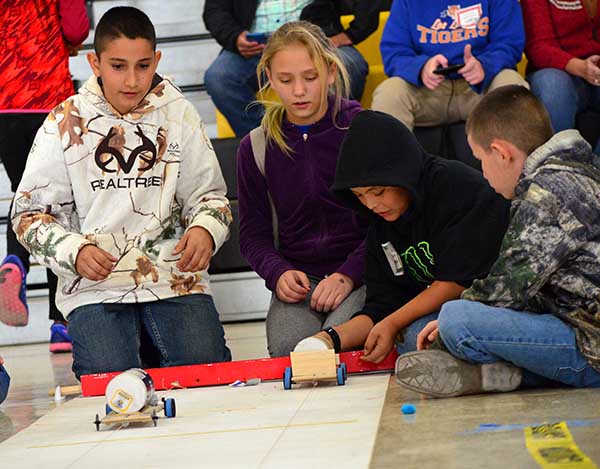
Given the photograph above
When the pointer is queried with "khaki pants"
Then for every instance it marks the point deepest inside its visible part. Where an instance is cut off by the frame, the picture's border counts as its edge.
(450, 102)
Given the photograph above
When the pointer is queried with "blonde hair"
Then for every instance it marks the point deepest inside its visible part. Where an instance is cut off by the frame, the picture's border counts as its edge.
(322, 53)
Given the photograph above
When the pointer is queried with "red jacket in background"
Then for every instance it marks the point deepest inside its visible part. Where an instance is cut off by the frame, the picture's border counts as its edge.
(34, 58)
(557, 31)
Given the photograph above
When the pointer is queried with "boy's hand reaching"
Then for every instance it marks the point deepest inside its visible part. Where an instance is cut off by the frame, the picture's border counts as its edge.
(472, 71)
(292, 286)
(330, 292)
(427, 335)
(380, 341)
(430, 79)
(94, 263)
(197, 247)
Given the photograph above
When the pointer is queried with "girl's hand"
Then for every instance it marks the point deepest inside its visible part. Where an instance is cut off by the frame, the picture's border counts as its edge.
(330, 292)
(427, 335)
(292, 286)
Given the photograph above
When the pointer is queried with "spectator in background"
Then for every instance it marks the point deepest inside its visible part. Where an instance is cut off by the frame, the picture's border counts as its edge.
(563, 50)
(4, 381)
(231, 79)
(484, 38)
(37, 39)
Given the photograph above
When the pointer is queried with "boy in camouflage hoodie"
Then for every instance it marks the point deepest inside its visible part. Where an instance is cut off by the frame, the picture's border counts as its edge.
(535, 319)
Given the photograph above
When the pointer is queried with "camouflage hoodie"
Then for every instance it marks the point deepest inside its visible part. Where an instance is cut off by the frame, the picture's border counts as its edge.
(550, 256)
(130, 184)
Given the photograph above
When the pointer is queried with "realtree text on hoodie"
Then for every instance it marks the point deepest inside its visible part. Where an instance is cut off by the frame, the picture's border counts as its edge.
(451, 232)
(317, 234)
(417, 30)
(129, 184)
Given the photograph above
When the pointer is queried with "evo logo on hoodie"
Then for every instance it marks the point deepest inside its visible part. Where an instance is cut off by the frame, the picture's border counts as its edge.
(455, 25)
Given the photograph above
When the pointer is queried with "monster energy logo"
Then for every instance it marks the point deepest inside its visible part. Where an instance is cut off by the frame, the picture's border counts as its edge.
(418, 260)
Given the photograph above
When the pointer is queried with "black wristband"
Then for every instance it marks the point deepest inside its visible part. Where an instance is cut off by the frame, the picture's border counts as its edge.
(337, 343)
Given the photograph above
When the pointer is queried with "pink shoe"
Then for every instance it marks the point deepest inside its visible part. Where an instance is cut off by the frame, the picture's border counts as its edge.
(13, 290)
(60, 340)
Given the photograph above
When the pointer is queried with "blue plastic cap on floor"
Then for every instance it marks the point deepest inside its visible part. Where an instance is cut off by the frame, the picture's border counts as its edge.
(408, 409)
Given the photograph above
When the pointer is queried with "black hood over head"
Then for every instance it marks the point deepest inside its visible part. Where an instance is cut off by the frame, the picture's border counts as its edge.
(378, 150)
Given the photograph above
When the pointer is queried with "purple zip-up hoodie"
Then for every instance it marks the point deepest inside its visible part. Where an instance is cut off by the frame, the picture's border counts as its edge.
(317, 234)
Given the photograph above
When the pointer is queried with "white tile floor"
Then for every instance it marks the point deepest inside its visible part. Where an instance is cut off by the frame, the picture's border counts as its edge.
(468, 432)
(259, 426)
(34, 371)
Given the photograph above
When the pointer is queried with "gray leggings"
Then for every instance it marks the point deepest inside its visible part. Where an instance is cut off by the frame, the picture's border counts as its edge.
(289, 323)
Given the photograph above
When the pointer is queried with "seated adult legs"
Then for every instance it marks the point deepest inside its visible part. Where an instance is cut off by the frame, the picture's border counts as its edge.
(560, 92)
(358, 69)
(232, 84)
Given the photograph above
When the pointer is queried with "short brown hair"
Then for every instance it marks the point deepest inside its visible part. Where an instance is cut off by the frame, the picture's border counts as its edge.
(126, 22)
(510, 113)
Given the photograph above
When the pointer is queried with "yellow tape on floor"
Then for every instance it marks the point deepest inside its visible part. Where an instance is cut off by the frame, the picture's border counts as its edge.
(553, 447)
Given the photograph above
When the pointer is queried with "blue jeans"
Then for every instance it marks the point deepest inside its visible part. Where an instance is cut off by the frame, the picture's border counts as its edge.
(541, 344)
(4, 383)
(184, 330)
(412, 331)
(564, 96)
(232, 84)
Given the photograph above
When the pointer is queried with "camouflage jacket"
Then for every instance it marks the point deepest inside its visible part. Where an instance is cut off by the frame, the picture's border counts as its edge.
(549, 261)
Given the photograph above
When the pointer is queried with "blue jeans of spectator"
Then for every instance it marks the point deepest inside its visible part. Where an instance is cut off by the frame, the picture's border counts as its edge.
(541, 344)
(185, 330)
(409, 344)
(564, 96)
(232, 84)
(4, 383)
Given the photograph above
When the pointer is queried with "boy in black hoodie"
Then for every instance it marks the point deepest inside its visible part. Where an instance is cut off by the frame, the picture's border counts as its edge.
(435, 226)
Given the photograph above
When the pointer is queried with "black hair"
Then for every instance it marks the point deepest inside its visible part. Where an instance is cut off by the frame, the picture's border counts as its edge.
(126, 22)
